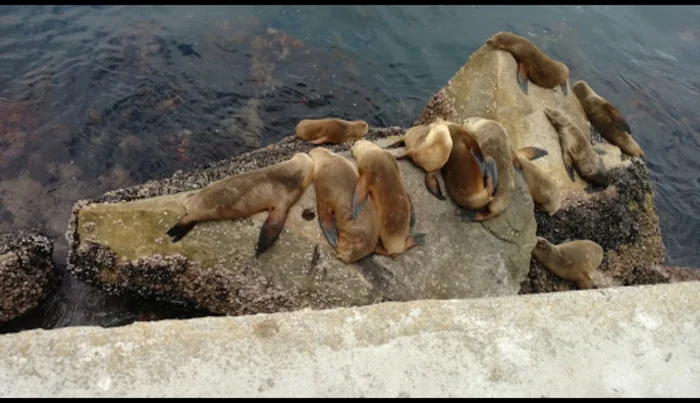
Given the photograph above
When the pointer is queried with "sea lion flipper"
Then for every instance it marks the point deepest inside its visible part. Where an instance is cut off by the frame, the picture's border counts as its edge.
(359, 198)
(397, 144)
(465, 215)
(180, 229)
(532, 153)
(433, 185)
(326, 220)
(319, 141)
(490, 175)
(522, 77)
(398, 153)
(412, 220)
(415, 240)
(617, 118)
(270, 230)
(564, 90)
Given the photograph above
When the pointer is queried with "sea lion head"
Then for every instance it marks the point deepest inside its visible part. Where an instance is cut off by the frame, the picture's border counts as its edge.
(502, 40)
(581, 89)
(362, 127)
(362, 146)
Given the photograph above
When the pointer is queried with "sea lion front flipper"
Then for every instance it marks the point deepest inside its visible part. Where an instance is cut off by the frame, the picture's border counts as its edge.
(271, 229)
(466, 216)
(522, 77)
(412, 220)
(319, 141)
(433, 185)
(564, 90)
(490, 175)
(568, 164)
(180, 229)
(398, 153)
(359, 198)
(532, 153)
(326, 220)
(399, 143)
(617, 118)
(414, 240)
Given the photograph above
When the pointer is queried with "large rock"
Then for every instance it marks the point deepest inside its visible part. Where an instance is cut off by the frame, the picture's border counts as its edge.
(27, 272)
(622, 218)
(118, 243)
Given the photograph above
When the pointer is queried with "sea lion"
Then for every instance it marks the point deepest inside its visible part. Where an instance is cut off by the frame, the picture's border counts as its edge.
(493, 140)
(541, 186)
(275, 188)
(429, 147)
(380, 178)
(608, 120)
(331, 130)
(577, 151)
(469, 177)
(335, 180)
(533, 64)
(575, 260)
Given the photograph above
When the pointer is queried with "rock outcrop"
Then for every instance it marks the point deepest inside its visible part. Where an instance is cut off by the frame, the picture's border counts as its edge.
(621, 218)
(27, 272)
(118, 243)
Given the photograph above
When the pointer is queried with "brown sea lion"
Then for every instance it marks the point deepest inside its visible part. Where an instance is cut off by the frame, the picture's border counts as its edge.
(533, 64)
(429, 147)
(335, 180)
(608, 120)
(380, 178)
(493, 140)
(577, 151)
(575, 260)
(541, 186)
(275, 188)
(331, 130)
(470, 178)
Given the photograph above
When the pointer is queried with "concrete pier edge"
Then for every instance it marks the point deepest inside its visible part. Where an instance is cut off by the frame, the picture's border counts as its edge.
(629, 341)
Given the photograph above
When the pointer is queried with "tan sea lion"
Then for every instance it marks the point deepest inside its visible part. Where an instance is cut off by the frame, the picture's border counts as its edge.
(493, 140)
(608, 120)
(275, 188)
(469, 177)
(380, 178)
(429, 147)
(541, 186)
(575, 260)
(331, 130)
(533, 64)
(577, 151)
(335, 180)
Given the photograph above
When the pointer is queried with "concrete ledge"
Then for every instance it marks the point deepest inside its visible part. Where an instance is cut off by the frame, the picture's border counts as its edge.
(630, 341)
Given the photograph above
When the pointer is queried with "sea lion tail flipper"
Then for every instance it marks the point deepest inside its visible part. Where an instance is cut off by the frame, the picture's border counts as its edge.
(180, 229)
(617, 118)
(490, 175)
(532, 153)
(359, 198)
(326, 219)
(271, 229)
(564, 90)
(433, 185)
(522, 77)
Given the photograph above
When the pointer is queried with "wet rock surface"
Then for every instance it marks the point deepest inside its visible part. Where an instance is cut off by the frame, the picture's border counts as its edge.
(27, 272)
(118, 243)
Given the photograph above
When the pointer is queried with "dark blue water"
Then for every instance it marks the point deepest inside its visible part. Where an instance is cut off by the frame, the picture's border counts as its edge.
(98, 98)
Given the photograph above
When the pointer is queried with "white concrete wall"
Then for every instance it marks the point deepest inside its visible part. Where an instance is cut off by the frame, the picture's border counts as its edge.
(632, 341)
